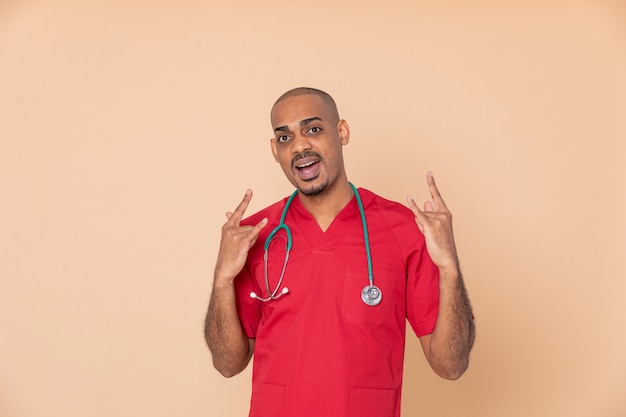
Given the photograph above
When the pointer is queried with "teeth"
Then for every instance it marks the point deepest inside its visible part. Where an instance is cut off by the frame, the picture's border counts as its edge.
(306, 165)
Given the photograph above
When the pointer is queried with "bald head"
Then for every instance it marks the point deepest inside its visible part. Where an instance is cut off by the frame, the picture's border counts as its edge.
(328, 101)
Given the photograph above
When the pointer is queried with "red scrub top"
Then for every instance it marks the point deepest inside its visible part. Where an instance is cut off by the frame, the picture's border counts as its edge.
(320, 351)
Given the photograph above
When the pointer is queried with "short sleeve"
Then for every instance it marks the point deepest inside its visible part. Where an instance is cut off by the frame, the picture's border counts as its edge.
(422, 291)
(248, 308)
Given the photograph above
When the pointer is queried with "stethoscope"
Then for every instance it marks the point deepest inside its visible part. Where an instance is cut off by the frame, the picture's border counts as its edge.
(371, 294)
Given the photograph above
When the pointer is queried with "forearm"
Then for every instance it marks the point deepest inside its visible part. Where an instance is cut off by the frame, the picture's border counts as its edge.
(229, 345)
(452, 339)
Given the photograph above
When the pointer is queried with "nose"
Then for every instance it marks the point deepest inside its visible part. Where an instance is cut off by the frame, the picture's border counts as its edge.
(300, 144)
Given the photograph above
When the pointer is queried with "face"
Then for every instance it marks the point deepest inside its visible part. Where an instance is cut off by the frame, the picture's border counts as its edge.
(307, 143)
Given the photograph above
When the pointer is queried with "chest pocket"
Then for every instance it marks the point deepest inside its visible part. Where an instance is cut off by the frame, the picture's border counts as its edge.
(353, 308)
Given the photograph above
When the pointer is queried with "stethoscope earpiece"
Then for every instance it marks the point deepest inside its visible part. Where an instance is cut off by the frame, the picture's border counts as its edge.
(284, 291)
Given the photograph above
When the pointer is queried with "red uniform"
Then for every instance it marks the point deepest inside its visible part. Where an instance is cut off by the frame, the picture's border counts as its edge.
(320, 351)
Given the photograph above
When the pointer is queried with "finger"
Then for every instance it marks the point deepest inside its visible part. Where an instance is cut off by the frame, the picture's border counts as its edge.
(428, 207)
(413, 205)
(229, 214)
(438, 203)
(237, 215)
(420, 218)
(254, 233)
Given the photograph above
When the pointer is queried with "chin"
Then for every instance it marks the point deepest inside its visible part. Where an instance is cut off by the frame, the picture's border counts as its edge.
(312, 189)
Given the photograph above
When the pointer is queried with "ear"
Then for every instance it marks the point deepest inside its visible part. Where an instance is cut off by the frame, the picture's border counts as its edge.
(274, 150)
(344, 131)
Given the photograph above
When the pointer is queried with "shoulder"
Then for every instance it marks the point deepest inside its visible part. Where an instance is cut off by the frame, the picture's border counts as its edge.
(270, 212)
(387, 208)
(398, 217)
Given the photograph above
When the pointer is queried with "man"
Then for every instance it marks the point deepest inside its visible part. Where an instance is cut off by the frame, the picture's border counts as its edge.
(328, 338)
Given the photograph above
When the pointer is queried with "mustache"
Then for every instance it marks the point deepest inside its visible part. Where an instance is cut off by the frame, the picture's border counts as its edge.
(305, 154)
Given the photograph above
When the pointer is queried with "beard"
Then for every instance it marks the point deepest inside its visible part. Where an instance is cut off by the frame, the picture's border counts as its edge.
(313, 190)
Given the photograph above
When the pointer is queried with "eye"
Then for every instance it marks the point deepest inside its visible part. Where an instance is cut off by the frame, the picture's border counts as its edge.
(282, 138)
(315, 129)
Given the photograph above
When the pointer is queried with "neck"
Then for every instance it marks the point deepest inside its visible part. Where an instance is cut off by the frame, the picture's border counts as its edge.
(325, 207)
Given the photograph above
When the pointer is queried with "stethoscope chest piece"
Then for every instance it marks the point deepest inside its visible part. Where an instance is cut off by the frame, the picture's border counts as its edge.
(371, 295)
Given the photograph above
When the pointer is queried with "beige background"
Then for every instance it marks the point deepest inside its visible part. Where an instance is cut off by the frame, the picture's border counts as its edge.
(128, 128)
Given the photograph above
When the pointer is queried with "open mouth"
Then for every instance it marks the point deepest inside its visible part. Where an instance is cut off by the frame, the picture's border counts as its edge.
(307, 168)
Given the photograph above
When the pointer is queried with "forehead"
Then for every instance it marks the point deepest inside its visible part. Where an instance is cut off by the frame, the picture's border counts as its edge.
(294, 109)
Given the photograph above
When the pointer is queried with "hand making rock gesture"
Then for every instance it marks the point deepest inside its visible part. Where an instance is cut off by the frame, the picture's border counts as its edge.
(435, 222)
(236, 242)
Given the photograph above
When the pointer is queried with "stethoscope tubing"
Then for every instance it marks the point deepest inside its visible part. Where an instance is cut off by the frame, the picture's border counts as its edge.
(371, 295)
(366, 237)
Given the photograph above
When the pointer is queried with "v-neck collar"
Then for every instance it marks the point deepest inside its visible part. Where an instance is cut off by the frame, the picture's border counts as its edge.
(311, 230)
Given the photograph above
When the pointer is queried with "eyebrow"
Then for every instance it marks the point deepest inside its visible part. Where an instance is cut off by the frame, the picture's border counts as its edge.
(302, 123)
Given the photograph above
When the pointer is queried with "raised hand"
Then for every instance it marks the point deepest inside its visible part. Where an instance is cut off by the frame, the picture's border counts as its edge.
(435, 222)
(236, 242)
(447, 348)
